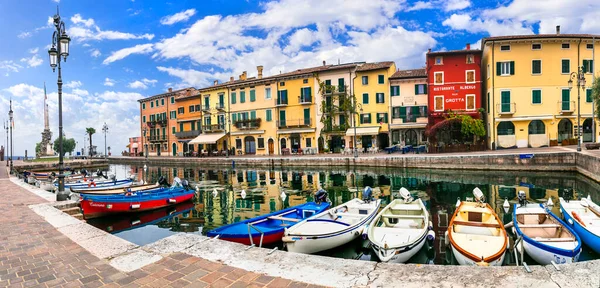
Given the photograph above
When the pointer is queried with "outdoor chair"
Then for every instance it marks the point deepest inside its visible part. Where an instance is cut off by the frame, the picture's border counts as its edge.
(204, 153)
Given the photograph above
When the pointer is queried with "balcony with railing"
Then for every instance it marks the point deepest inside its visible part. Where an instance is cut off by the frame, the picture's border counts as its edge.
(156, 138)
(161, 122)
(335, 129)
(295, 123)
(566, 107)
(213, 128)
(220, 107)
(248, 124)
(206, 108)
(506, 108)
(187, 134)
(414, 118)
(305, 99)
(282, 101)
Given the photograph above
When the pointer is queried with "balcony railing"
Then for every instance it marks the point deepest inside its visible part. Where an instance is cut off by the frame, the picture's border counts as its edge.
(153, 123)
(335, 128)
(187, 134)
(566, 106)
(305, 99)
(306, 122)
(206, 108)
(248, 124)
(156, 138)
(506, 108)
(282, 101)
(220, 106)
(213, 128)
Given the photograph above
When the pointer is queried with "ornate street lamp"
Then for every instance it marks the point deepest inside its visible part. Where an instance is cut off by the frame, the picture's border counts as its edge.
(60, 47)
(105, 130)
(6, 149)
(145, 144)
(579, 76)
(10, 116)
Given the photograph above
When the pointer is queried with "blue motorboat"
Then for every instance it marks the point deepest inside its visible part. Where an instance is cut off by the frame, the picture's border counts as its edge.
(584, 217)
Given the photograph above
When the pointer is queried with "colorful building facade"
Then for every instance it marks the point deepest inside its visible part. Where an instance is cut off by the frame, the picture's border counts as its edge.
(529, 102)
(408, 107)
(135, 146)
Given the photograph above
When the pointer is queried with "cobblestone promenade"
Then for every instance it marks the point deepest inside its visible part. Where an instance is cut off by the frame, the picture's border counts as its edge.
(34, 254)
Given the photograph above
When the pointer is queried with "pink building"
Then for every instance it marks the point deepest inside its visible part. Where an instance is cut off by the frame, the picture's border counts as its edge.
(135, 146)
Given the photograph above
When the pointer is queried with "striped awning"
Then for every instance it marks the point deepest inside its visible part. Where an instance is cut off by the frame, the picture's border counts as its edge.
(207, 138)
(360, 131)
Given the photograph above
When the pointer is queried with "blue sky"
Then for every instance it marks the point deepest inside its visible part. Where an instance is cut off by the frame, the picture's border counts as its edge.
(125, 50)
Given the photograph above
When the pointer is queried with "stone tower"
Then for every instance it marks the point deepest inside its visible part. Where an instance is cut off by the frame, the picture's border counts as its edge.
(46, 145)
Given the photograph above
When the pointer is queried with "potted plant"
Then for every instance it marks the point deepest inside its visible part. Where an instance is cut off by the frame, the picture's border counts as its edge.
(565, 142)
(573, 141)
(553, 142)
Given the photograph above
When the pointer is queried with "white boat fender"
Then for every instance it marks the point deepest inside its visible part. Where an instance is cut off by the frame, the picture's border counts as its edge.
(446, 239)
(283, 196)
(215, 192)
(589, 198)
(508, 225)
(430, 236)
(506, 205)
(550, 203)
(570, 221)
(243, 194)
(430, 227)
(458, 202)
(197, 188)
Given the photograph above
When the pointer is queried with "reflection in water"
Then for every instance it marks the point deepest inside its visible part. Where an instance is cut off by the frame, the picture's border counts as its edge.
(219, 200)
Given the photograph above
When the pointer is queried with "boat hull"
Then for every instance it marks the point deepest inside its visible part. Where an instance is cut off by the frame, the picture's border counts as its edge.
(399, 254)
(462, 259)
(94, 209)
(268, 238)
(590, 239)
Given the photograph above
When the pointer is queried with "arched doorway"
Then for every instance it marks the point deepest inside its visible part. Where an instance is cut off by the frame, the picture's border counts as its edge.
(295, 142)
(410, 137)
(537, 134)
(174, 149)
(506, 135)
(383, 140)
(249, 145)
(587, 130)
(271, 145)
(565, 130)
(282, 145)
(158, 150)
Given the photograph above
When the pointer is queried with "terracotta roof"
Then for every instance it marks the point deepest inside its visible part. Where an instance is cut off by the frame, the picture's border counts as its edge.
(538, 36)
(413, 73)
(375, 66)
(470, 51)
(167, 94)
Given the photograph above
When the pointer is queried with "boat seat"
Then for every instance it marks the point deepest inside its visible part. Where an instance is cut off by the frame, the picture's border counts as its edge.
(407, 224)
(283, 218)
(405, 207)
(531, 219)
(568, 239)
(539, 226)
(477, 224)
(344, 214)
(404, 216)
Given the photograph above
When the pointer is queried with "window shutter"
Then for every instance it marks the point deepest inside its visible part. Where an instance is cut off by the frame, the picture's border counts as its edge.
(591, 66)
(341, 85)
(233, 100)
(498, 68)
(252, 95)
(252, 115)
(362, 120)
(588, 95)
(234, 117)
(416, 89)
(385, 117)
(365, 98)
(512, 67)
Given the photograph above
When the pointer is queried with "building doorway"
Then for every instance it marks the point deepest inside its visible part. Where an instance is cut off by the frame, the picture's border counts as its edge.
(587, 130)
(321, 144)
(367, 142)
(383, 140)
(295, 142)
(336, 144)
(157, 149)
(411, 137)
(249, 145)
(271, 145)
(565, 130)
(282, 145)
(174, 149)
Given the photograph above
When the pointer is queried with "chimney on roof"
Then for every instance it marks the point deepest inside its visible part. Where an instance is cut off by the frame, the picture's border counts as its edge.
(216, 82)
(324, 63)
(468, 46)
(260, 70)
(243, 76)
(231, 79)
(429, 51)
(557, 29)
(170, 89)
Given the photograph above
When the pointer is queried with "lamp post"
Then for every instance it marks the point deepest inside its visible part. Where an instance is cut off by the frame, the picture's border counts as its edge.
(229, 141)
(10, 116)
(60, 47)
(6, 150)
(580, 77)
(145, 145)
(105, 130)
(357, 115)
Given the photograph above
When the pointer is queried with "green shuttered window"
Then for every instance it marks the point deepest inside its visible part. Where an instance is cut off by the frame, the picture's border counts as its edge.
(536, 96)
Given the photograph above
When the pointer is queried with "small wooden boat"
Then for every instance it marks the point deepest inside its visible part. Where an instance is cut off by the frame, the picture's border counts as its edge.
(399, 231)
(476, 234)
(111, 190)
(584, 217)
(105, 184)
(331, 228)
(93, 206)
(269, 228)
(545, 237)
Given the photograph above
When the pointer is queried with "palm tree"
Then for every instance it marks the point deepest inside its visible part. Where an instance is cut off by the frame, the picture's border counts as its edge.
(90, 131)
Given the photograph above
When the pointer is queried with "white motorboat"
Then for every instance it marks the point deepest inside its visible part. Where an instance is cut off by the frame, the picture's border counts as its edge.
(332, 228)
(584, 217)
(399, 231)
(476, 234)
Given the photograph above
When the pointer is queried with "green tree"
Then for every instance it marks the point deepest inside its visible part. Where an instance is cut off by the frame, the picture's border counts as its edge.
(90, 131)
(596, 95)
(68, 145)
(38, 148)
(336, 101)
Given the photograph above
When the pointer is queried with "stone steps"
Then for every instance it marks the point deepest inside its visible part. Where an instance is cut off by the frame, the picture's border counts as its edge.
(78, 216)
(72, 211)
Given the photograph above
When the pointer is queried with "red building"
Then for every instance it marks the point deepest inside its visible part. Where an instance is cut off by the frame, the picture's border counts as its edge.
(135, 146)
(454, 79)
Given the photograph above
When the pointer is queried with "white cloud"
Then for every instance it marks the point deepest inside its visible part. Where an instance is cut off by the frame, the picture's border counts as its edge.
(9, 66)
(86, 29)
(73, 84)
(95, 53)
(420, 5)
(491, 26)
(24, 90)
(24, 35)
(178, 17)
(34, 61)
(80, 92)
(109, 82)
(301, 38)
(453, 5)
(34, 50)
(57, 1)
(120, 54)
(190, 77)
(143, 84)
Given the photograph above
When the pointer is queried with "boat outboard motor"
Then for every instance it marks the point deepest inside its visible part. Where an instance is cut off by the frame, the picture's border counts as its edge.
(567, 194)
(367, 194)
(162, 181)
(321, 196)
(185, 184)
(84, 172)
(479, 197)
(405, 194)
(522, 198)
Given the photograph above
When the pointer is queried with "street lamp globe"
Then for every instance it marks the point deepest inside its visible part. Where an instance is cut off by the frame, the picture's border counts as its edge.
(64, 45)
(53, 53)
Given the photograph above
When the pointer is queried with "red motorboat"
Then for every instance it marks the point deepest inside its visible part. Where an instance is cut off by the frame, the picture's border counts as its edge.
(93, 206)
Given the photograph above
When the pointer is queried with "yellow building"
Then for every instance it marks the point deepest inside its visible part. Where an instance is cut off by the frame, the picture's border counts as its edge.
(408, 90)
(215, 106)
(372, 91)
(189, 115)
(528, 98)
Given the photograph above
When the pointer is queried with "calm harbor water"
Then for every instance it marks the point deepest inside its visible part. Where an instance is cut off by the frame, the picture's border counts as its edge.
(219, 201)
